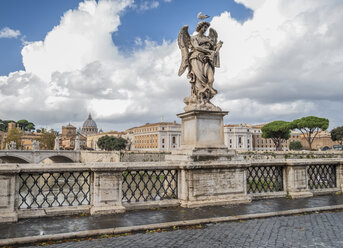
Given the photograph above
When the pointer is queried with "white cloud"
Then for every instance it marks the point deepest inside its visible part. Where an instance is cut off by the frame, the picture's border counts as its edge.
(6, 32)
(146, 5)
(283, 63)
(138, 41)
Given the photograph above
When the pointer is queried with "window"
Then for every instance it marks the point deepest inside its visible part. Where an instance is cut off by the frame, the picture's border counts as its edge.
(240, 140)
(248, 141)
(163, 141)
(174, 141)
(230, 141)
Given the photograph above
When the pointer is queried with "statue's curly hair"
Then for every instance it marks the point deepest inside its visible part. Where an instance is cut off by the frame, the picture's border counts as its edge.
(201, 24)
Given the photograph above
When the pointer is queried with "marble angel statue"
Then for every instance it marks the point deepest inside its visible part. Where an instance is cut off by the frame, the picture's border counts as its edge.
(200, 54)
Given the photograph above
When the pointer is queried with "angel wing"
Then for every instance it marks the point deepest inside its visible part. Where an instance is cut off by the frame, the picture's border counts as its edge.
(213, 35)
(184, 41)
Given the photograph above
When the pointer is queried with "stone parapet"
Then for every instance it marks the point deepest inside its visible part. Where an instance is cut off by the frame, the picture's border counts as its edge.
(271, 155)
(189, 183)
(216, 184)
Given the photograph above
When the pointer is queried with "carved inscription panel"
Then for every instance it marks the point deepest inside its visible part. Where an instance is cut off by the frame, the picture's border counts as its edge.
(4, 192)
(109, 188)
(218, 182)
(300, 178)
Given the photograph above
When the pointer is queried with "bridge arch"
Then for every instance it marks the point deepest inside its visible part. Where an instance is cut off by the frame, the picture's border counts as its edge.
(13, 159)
(57, 159)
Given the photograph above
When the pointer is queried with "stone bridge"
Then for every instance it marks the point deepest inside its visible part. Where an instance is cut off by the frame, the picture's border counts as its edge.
(33, 157)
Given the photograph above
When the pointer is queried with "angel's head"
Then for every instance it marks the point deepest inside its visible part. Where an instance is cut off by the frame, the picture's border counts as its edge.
(202, 26)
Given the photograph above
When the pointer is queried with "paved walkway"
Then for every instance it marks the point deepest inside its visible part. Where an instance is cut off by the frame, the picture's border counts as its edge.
(60, 227)
(313, 230)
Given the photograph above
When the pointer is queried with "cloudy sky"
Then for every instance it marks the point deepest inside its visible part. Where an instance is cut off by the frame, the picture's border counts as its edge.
(118, 59)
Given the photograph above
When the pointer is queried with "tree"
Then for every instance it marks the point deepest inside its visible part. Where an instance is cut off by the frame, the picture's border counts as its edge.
(22, 124)
(337, 134)
(26, 125)
(14, 135)
(277, 131)
(4, 125)
(30, 127)
(310, 126)
(295, 145)
(111, 143)
(47, 140)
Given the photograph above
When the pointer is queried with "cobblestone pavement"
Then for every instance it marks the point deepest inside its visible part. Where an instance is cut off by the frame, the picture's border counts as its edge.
(312, 230)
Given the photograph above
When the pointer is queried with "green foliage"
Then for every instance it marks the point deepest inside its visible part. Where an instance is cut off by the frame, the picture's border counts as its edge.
(310, 126)
(110, 143)
(14, 135)
(277, 131)
(26, 125)
(310, 123)
(23, 125)
(4, 125)
(337, 134)
(295, 145)
(47, 140)
(30, 127)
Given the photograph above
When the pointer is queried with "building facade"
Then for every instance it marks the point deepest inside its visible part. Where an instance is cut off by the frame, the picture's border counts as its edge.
(2, 135)
(238, 137)
(323, 139)
(26, 138)
(262, 144)
(68, 137)
(162, 136)
(247, 137)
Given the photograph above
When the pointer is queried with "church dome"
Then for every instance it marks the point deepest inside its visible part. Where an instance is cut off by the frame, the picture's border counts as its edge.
(89, 122)
(89, 126)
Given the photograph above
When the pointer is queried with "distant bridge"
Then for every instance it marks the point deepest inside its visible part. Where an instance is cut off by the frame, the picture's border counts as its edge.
(34, 157)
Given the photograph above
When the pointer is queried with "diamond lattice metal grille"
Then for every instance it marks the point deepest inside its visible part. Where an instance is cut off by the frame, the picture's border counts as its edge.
(261, 179)
(149, 185)
(321, 176)
(44, 190)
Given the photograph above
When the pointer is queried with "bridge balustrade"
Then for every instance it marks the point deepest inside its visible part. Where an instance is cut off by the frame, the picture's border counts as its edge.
(34, 190)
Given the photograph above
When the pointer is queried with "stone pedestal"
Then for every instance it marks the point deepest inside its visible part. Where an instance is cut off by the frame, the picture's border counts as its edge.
(202, 137)
(297, 181)
(107, 193)
(7, 198)
(340, 176)
(207, 177)
(202, 129)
